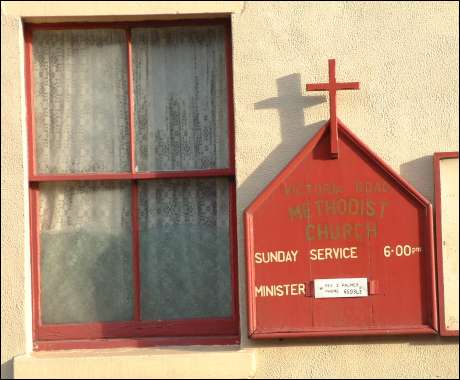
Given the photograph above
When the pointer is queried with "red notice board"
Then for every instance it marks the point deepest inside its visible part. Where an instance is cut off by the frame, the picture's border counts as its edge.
(339, 247)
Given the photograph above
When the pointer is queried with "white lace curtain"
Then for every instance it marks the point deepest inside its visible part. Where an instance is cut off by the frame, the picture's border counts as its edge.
(81, 101)
(80, 106)
(180, 97)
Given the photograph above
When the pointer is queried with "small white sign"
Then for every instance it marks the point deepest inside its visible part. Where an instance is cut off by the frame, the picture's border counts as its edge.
(340, 287)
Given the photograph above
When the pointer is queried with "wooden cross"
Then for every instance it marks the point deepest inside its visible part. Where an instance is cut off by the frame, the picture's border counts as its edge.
(332, 87)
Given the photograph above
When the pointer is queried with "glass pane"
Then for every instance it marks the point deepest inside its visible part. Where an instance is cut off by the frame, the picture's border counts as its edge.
(180, 97)
(185, 260)
(81, 101)
(85, 252)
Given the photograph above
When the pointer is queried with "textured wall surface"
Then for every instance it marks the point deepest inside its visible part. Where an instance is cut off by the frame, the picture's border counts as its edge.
(360, 358)
(43, 9)
(16, 304)
(146, 363)
(406, 57)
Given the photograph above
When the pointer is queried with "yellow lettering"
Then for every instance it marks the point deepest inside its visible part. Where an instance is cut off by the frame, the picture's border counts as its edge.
(318, 205)
(353, 206)
(371, 229)
(323, 232)
(330, 207)
(347, 228)
(308, 228)
(382, 209)
(341, 206)
(370, 208)
(357, 233)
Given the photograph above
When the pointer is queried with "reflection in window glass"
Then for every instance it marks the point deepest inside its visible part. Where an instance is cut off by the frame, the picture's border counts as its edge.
(85, 252)
(185, 259)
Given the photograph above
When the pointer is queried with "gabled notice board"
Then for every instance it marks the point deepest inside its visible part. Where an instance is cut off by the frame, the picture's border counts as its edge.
(339, 247)
(338, 243)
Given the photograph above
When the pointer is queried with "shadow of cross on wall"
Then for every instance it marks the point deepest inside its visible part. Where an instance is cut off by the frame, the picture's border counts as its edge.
(290, 104)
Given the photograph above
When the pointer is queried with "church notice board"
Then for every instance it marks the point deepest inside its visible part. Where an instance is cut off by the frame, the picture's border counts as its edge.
(339, 246)
(446, 180)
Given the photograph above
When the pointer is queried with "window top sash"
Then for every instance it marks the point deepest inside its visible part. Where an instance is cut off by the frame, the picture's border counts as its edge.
(127, 24)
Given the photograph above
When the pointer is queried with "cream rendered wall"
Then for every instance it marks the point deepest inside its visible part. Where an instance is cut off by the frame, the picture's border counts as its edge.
(15, 273)
(406, 57)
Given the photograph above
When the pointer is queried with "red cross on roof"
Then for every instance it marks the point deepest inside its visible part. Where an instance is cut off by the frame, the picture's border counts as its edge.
(332, 87)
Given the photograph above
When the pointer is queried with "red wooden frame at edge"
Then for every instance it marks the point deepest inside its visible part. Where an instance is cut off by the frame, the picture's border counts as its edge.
(437, 157)
(134, 333)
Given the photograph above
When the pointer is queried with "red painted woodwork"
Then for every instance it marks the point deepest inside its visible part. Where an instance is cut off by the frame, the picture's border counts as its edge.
(437, 157)
(34, 257)
(233, 253)
(132, 133)
(135, 342)
(357, 190)
(129, 24)
(133, 329)
(230, 107)
(131, 176)
(135, 333)
(333, 87)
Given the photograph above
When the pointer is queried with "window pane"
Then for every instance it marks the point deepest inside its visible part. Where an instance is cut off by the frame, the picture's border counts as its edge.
(185, 264)
(85, 252)
(81, 101)
(180, 98)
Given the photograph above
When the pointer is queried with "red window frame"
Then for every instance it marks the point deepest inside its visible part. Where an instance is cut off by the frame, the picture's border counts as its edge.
(134, 333)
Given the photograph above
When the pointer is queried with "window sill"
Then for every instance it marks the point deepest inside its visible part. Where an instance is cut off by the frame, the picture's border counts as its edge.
(171, 362)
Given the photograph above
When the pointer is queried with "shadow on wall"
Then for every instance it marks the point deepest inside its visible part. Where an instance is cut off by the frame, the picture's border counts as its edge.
(373, 342)
(7, 369)
(290, 104)
(419, 173)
